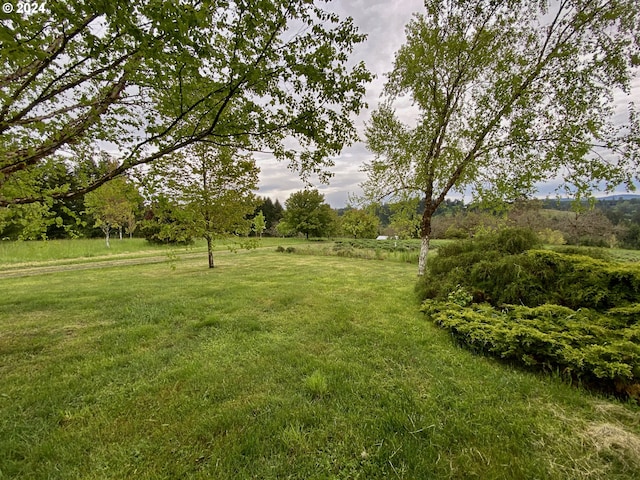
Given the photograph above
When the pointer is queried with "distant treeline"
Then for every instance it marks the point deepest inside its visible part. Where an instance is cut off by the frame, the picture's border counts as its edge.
(610, 222)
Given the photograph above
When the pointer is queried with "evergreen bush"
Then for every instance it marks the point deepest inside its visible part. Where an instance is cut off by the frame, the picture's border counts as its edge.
(563, 312)
(500, 269)
(599, 350)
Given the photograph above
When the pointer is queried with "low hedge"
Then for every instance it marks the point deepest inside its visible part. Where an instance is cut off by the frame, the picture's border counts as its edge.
(386, 245)
(599, 350)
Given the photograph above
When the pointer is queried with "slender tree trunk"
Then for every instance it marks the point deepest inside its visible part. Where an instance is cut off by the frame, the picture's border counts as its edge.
(120, 231)
(425, 235)
(422, 259)
(210, 252)
(106, 236)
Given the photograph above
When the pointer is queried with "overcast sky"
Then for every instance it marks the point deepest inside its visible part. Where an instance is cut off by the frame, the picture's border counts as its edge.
(384, 22)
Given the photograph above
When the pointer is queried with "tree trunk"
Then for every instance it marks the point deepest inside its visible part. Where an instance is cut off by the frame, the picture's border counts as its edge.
(210, 252)
(106, 236)
(425, 235)
(422, 258)
(120, 231)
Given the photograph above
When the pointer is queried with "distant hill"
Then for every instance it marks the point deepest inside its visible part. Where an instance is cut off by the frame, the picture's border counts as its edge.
(618, 197)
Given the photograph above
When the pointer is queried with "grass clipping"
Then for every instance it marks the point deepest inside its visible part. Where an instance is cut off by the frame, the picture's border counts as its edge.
(616, 441)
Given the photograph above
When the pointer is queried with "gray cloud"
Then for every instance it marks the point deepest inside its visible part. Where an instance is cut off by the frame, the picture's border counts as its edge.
(383, 22)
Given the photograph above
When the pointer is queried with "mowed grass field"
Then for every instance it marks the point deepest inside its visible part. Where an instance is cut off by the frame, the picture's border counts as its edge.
(275, 366)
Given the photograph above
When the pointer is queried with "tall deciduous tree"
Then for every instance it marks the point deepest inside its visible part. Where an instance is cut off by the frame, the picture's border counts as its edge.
(214, 186)
(509, 93)
(306, 213)
(151, 77)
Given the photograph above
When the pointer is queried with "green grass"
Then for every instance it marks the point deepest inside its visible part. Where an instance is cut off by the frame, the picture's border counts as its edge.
(405, 251)
(51, 250)
(38, 252)
(274, 366)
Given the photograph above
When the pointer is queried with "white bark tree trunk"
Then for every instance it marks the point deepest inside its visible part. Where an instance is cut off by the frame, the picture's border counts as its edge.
(422, 258)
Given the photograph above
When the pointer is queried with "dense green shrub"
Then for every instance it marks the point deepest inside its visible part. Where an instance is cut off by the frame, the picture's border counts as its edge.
(565, 312)
(497, 269)
(600, 350)
(513, 240)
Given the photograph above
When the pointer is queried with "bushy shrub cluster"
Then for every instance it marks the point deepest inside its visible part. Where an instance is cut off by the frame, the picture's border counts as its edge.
(453, 265)
(565, 312)
(508, 273)
(600, 350)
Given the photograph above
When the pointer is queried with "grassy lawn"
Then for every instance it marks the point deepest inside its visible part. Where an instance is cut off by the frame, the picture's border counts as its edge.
(56, 250)
(275, 366)
(21, 254)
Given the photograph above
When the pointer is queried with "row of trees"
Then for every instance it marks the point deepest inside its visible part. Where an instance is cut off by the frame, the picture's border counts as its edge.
(509, 94)
(201, 196)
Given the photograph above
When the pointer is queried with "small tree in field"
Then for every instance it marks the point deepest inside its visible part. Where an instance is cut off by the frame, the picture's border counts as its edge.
(360, 224)
(510, 94)
(215, 185)
(166, 222)
(113, 205)
(259, 224)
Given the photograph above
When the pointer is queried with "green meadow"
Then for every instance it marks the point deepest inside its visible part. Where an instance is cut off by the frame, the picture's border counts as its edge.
(270, 366)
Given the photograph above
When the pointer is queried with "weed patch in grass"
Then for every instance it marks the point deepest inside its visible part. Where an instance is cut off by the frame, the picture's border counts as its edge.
(317, 385)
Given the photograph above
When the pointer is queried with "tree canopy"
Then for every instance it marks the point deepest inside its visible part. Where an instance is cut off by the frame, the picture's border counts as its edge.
(148, 78)
(306, 213)
(360, 224)
(509, 94)
(213, 186)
